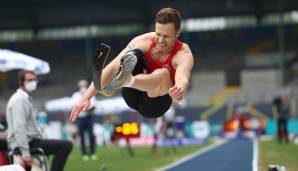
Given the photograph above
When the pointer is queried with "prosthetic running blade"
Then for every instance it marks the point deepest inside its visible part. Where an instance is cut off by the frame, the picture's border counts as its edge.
(99, 62)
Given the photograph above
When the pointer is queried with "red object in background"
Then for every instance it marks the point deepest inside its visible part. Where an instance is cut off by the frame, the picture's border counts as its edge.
(3, 152)
(236, 122)
(262, 125)
(245, 122)
(3, 158)
(281, 133)
(126, 130)
(231, 124)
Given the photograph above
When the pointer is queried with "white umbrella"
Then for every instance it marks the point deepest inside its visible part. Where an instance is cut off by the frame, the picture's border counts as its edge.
(102, 107)
(111, 105)
(63, 104)
(10, 60)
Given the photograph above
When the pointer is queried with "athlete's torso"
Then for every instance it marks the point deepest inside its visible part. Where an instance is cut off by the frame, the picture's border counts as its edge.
(153, 64)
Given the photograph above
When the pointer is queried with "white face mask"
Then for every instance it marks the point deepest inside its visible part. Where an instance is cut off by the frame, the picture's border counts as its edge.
(30, 86)
(83, 89)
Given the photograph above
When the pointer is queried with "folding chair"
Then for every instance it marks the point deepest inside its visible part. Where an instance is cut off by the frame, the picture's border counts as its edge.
(38, 156)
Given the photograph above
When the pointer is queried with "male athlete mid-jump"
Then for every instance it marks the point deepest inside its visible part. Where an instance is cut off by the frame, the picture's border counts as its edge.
(152, 71)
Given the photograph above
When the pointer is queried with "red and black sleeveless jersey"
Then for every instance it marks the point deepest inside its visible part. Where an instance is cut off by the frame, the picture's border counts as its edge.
(152, 64)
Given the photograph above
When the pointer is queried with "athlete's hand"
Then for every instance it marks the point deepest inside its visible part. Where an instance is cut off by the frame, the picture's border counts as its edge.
(83, 104)
(176, 93)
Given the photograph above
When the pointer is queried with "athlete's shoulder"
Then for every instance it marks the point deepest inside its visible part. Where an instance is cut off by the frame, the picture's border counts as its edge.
(184, 53)
(145, 37)
(142, 41)
(185, 47)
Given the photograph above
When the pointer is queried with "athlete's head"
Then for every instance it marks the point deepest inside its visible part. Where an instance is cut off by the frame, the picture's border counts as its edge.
(167, 27)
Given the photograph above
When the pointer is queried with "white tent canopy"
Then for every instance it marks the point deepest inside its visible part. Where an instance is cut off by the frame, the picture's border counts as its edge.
(102, 107)
(10, 60)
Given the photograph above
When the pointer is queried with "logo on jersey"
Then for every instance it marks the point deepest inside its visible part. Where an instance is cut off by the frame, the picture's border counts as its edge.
(166, 66)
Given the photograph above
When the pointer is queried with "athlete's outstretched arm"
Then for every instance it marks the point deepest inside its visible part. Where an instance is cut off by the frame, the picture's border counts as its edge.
(83, 103)
(184, 63)
(107, 74)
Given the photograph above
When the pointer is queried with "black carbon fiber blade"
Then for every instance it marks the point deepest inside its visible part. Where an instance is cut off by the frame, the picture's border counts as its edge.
(99, 64)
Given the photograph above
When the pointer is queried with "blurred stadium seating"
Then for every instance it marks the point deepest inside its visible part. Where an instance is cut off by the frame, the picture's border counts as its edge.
(221, 55)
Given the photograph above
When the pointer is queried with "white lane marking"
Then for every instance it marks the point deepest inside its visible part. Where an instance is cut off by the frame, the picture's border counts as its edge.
(255, 155)
(198, 153)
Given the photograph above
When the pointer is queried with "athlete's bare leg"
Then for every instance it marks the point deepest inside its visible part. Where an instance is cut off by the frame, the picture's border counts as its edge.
(155, 84)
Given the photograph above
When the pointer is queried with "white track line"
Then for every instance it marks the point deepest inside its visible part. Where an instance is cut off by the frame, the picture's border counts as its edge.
(200, 152)
(255, 155)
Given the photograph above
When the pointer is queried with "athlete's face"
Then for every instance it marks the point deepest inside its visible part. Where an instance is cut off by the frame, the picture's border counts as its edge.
(166, 36)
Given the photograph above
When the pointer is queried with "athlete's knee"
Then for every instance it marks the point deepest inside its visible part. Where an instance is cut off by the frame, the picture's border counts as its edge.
(158, 79)
(138, 53)
(162, 73)
(140, 60)
(162, 78)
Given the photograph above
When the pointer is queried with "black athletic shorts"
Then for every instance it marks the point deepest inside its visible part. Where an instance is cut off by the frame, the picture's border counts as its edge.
(139, 100)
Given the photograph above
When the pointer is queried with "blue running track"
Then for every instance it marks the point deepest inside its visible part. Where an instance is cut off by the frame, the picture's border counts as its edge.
(234, 155)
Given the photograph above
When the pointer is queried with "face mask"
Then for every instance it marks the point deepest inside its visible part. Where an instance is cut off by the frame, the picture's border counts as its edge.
(30, 86)
(83, 89)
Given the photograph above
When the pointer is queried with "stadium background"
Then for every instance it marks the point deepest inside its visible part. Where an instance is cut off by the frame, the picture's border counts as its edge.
(245, 50)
